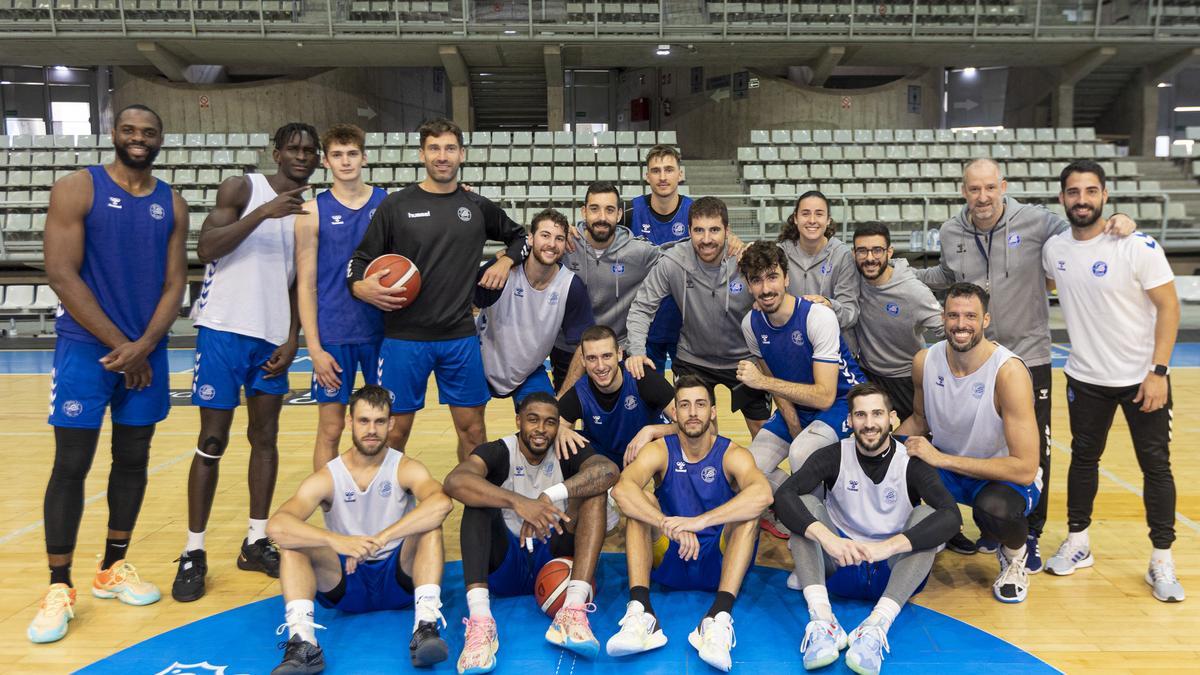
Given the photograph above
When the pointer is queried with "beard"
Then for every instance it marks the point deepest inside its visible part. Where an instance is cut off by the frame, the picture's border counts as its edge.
(1084, 221)
(527, 440)
(367, 451)
(878, 271)
(122, 152)
(975, 339)
(547, 258)
(696, 434)
(884, 437)
(604, 236)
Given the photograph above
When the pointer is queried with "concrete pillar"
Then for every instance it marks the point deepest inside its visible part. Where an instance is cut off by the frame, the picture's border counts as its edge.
(1063, 111)
(552, 54)
(460, 86)
(1144, 127)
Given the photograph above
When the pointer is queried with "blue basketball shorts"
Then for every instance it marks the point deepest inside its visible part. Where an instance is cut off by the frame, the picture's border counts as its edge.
(405, 365)
(226, 363)
(372, 587)
(965, 489)
(81, 389)
(350, 358)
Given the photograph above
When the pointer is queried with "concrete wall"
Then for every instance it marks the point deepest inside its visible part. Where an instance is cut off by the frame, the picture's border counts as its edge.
(1027, 102)
(376, 99)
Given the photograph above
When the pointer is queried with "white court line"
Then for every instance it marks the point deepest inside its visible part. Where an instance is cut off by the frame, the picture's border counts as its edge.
(1188, 522)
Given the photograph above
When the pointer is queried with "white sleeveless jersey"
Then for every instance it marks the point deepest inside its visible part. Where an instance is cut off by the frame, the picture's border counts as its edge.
(518, 331)
(961, 411)
(246, 290)
(863, 510)
(528, 480)
(358, 512)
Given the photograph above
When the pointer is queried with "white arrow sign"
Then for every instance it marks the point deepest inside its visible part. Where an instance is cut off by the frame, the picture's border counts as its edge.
(967, 105)
(720, 94)
(367, 113)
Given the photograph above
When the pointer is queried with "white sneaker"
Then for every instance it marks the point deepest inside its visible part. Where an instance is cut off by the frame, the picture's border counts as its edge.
(823, 641)
(868, 642)
(639, 632)
(1013, 583)
(1163, 582)
(1070, 558)
(713, 639)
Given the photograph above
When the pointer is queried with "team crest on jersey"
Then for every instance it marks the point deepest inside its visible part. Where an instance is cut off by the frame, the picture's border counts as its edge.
(335, 219)
(977, 390)
(1100, 269)
(157, 212)
(680, 467)
(889, 496)
(630, 402)
(708, 475)
(464, 214)
(385, 490)
(207, 392)
(349, 496)
(826, 268)
(1062, 265)
(72, 408)
(852, 485)
(553, 298)
(618, 268)
(892, 308)
(548, 468)
(596, 419)
(736, 287)
(798, 338)
(677, 229)
(1014, 240)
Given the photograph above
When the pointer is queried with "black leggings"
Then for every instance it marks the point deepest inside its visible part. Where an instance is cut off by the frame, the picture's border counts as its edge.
(484, 540)
(74, 450)
(1000, 514)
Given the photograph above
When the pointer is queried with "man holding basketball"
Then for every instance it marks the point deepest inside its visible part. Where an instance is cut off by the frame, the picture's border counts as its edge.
(442, 229)
(525, 506)
(341, 332)
(699, 529)
(247, 339)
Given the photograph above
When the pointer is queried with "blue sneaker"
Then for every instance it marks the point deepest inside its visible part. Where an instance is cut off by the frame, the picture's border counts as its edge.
(986, 545)
(868, 642)
(823, 640)
(1033, 559)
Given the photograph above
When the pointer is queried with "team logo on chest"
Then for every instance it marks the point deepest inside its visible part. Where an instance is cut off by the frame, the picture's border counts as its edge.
(1062, 265)
(335, 219)
(677, 229)
(708, 474)
(826, 268)
(736, 287)
(852, 485)
(766, 339)
(519, 291)
(630, 402)
(596, 419)
(889, 496)
(518, 470)
(618, 268)
(798, 338)
(464, 214)
(157, 212)
(349, 496)
(548, 468)
(1099, 269)
(645, 228)
(680, 467)
(1014, 240)
(114, 203)
(385, 490)
(553, 298)
(977, 390)
(941, 381)
(892, 308)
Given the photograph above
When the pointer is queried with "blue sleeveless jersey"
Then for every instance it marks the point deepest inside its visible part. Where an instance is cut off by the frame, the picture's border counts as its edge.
(610, 431)
(789, 353)
(668, 320)
(689, 489)
(342, 318)
(124, 255)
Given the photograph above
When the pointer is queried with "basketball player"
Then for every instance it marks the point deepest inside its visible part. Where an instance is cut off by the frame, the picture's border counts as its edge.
(247, 337)
(801, 359)
(702, 520)
(111, 351)
(341, 332)
(895, 311)
(523, 507)
(1010, 271)
(822, 266)
(976, 399)
(620, 413)
(442, 229)
(612, 263)
(380, 549)
(872, 537)
(1122, 312)
(713, 295)
(662, 217)
(519, 323)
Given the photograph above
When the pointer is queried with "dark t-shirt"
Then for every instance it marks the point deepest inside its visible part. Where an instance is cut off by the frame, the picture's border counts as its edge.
(443, 234)
(495, 455)
(653, 389)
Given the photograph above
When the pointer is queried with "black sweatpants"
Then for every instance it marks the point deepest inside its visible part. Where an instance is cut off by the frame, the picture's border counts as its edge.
(1092, 408)
(1042, 379)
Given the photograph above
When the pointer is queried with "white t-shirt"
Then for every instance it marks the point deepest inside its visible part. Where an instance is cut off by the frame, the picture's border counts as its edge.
(1102, 284)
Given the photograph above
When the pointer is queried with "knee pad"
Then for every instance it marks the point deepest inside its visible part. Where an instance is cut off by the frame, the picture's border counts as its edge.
(212, 451)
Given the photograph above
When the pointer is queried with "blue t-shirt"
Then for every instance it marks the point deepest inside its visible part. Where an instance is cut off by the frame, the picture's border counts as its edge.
(610, 431)
(342, 318)
(124, 255)
(644, 222)
(689, 489)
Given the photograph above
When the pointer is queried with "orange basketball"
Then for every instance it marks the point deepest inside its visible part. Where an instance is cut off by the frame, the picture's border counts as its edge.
(550, 588)
(400, 272)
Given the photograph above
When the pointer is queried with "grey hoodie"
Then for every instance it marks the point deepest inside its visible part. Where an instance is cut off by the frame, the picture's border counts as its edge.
(892, 321)
(1012, 273)
(612, 276)
(831, 273)
(712, 306)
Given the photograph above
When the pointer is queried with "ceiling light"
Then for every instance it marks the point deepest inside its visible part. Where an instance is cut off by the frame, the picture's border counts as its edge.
(1187, 108)
(1163, 85)
(969, 72)
(510, 32)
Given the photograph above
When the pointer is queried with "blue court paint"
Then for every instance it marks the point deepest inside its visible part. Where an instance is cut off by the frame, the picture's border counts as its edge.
(769, 622)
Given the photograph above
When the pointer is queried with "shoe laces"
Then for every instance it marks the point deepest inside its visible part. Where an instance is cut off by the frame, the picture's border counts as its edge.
(302, 622)
(874, 632)
(718, 633)
(1013, 571)
(816, 629)
(58, 599)
(432, 610)
(636, 622)
(1067, 550)
(125, 572)
(479, 632)
(1163, 572)
(574, 615)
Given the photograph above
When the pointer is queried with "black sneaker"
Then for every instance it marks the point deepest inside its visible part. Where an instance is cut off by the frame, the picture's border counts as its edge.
(986, 545)
(261, 556)
(961, 545)
(427, 646)
(300, 658)
(189, 578)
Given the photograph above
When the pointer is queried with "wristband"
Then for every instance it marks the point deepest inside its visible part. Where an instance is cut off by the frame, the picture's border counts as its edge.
(556, 492)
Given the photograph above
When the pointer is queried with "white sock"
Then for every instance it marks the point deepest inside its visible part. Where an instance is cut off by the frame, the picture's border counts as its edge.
(1013, 553)
(479, 603)
(819, 608)
(299, 617)
(195, 541)
(578, 593)
(256, 531)
(884, 613)
(1161, 555)
(428, 599)
(1079, 539)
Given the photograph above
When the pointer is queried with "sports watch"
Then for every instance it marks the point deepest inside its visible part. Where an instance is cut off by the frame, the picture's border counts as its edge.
(1160, 370)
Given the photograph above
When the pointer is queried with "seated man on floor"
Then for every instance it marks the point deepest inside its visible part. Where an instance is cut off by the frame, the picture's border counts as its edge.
(706, 489)
(872, 537)
(382, 546)
(524, 507)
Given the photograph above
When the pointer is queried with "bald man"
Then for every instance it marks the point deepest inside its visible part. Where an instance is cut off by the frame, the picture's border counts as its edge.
(996, 243)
